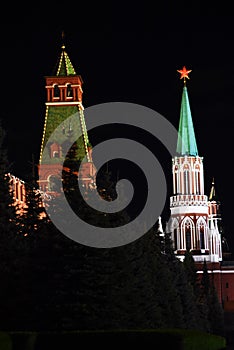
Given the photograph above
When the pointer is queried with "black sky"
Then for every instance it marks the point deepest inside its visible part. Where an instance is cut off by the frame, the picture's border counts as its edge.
(128, 56)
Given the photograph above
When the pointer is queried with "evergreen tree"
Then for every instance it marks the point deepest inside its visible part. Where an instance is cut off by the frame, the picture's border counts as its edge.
(8, 208)
(216, 313)
(183, 285)
(191, 270)
(9, 247)
(191, 315)
(209, 297)
(34, 216)
(202, 308)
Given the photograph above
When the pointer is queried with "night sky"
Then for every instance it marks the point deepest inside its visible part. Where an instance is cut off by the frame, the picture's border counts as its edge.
(132, 61)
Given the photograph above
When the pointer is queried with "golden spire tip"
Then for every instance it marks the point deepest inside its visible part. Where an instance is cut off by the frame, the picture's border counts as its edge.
(63, 36)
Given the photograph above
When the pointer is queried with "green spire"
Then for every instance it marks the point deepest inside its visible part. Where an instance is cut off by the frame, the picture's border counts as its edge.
(186, 144)
(64, 67)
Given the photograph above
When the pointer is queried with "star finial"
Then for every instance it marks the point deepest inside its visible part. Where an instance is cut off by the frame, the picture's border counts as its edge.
(184, 73)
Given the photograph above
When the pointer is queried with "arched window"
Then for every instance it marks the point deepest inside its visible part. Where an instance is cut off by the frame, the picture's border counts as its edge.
(54, 184)
(173, 228)
(175, 238)
(188, 230)
(69, 91)
(186, 181)
(197, 181)
(201, 230)
(202, 238)
(188, 238)
(56, 91)
(176, 181)
(55, 150)
(55, 154)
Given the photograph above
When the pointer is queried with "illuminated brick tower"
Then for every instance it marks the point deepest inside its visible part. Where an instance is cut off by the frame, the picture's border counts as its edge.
(64, 99)
(194, 219)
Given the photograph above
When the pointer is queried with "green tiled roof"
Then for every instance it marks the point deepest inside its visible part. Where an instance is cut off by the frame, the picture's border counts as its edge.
(186, 144)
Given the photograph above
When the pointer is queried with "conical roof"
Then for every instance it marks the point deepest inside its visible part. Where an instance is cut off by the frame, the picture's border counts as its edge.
(186, 144)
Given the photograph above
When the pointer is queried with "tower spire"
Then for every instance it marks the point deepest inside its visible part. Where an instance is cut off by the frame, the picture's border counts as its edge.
(186, 144)
(64, 66)
(212, 195)
(63, 37)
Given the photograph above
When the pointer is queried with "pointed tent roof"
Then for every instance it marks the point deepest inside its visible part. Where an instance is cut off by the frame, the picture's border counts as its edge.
(55, 115)
(186, 144)
(64, 66)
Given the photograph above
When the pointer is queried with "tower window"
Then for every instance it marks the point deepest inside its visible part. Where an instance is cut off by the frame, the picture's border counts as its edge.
(201, 229)
(186, 182)
(188, 232)
(55, 150)
(197, 177)
(55, 154)
(202, 236)
(54, 184)
(188, 238)
(202, 240)
(56, 91)
(69, 91)
(227, 285)
(175, 238)
(21, 193)
(176, 182)
(16, 191)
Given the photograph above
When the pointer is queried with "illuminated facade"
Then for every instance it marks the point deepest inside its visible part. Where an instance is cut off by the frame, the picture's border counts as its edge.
(195, 223)
(64, 100)
(17, 186)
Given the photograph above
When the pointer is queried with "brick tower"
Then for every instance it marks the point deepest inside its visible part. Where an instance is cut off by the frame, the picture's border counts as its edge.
(63, 100)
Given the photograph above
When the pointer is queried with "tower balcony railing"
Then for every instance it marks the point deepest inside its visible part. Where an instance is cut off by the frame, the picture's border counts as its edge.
(188, 200)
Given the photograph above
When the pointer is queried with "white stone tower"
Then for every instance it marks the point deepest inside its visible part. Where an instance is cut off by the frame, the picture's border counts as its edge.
(192, 224)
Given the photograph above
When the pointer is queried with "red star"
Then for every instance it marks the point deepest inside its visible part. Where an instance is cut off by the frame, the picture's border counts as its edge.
(184, 73)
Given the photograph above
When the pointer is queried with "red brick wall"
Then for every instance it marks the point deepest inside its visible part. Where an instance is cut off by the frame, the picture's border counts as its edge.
(228, 285)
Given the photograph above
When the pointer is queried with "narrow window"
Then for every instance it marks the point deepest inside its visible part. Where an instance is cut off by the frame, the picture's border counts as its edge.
(21, 193)
(56, 91)
(197, 175)
(176, 179)
(175, 238)
(16, 191)
(186, 182)
(188, 238)
(69, 91)
(202, 238)
(227, 285)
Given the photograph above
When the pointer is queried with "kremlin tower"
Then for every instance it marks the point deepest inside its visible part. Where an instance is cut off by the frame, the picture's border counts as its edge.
(64, 99)
(195, 224)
